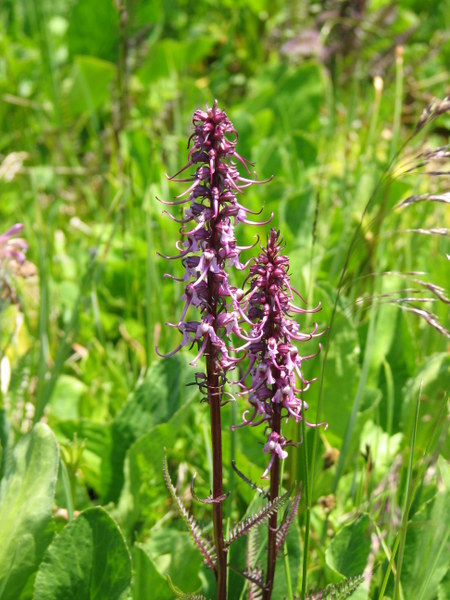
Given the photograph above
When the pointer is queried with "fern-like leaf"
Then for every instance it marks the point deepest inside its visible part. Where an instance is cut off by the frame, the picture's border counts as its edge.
(209, 499)
(203, 543)
(252, 548)
(282, 533)
(183, 595)
(337, 591)
(244, 526)
(254, 576)
(255, 591)
(250, 483)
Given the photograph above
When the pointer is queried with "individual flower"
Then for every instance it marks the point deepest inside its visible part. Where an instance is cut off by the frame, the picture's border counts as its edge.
(275, 364)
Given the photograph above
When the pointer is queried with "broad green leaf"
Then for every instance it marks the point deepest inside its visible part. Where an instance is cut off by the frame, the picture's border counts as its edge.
(96, 441)
(174, 553)
(305, 149)
(382, 448)
(296, 95)
(141, 14)
(90, 88)
(94, 32)
(431, 382)
(425, 561)
(349, 549)
(155, 401)
(299, 215)
(26, 499)
(146, 482)
(444, 587)
(342, 372)
(65, 399)
(88, 560)
(171, 56)
(384, 329)
(148, 581)
(267, 155)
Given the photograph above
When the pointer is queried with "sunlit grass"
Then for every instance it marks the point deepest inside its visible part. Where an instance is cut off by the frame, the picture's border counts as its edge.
(93, 115)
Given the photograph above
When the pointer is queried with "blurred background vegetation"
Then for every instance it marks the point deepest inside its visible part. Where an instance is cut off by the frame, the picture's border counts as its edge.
(96, 101)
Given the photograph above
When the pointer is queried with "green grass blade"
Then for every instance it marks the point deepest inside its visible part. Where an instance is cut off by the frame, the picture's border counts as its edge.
(408, 499)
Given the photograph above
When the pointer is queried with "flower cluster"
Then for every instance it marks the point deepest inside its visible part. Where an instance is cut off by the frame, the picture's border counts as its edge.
(12, 247)
(12, 254)
(207, 249)
(275, 364)
(209, 244)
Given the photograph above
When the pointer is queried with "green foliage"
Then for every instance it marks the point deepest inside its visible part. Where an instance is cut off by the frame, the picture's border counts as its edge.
(87, 560)
(26, 499)
(204, 544)
(425, 562)
(154, 402)
(94, 33)
(147, 577)
(349, 550)
(96, 102)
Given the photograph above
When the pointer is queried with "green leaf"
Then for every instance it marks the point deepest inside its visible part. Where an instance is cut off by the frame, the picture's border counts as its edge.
(4, 439)
(146, 481)
(444, 587)
(88, 560)
(434, 380)
(90, 88)
(26, 499)
(143, 14)
(96, 438)
(382, 448)
(155, 401)
(148, 581)
(95, 33)
(296, 94)
(174, 553)
(349, 549)
(425, 561)
(65, 399)
(171, 56)
(341, 380)
(299, 214)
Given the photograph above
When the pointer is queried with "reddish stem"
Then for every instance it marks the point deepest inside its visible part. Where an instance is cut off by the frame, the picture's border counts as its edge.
(273, 521)
(216, 439)
(214, 400)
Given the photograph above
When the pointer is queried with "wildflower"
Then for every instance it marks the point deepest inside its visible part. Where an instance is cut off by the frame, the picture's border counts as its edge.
(275, 365)
(210, 246)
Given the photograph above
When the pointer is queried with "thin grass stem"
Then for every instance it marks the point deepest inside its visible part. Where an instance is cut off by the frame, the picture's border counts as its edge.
(408, 499)
(398, 101)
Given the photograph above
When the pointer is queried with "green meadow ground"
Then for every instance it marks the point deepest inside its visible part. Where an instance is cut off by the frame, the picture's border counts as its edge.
(96, 102)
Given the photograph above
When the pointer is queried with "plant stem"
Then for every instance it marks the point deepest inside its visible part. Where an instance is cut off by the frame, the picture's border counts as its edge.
(273, 521)
(214, 400)
(308, 506)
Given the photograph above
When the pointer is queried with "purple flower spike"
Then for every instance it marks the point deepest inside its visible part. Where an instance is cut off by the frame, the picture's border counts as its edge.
(277, 380)
(209, 244)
